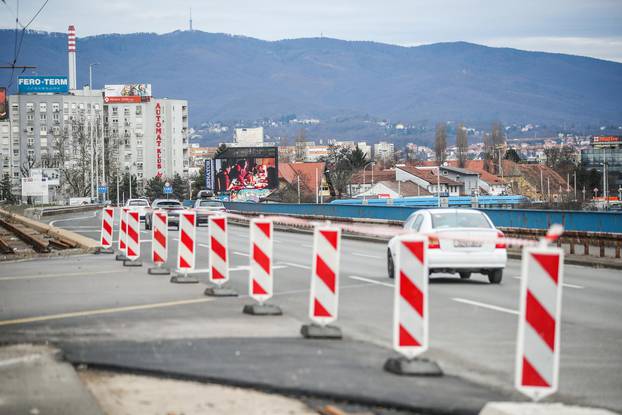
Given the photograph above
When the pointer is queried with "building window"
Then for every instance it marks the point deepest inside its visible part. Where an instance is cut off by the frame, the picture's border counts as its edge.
(30, 107)
(139, 110)
(43, 130)
(43, 117)
(43, 107)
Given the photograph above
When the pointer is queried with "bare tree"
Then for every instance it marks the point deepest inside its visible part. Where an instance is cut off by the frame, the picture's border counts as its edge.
(72, 153)
(497, 134)
(440, 142)
(301, 144)
(462, 144)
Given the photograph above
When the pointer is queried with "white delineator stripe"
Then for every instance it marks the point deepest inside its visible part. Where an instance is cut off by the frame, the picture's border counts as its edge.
(410, 302)
(132, 236)
(107, 227)
(123, 229)
(324, 294)
(260, 286)
(159, 237)
(537, 351)
(218, 252)
(186, 247)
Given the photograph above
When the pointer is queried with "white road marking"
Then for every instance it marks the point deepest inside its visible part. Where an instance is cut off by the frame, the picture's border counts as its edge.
(385, 284)
(78, 218)
(306, 245)
(297, 265)
(66, 274)
(578, 287)
(484, 305)
(204, 245)
(240, 253)
(367, 255)
(103, 311)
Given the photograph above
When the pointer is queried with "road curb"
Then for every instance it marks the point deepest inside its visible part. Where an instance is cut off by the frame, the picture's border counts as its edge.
(83, 242)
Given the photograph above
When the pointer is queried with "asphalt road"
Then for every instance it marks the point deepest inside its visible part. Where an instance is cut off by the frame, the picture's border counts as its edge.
(472, 328)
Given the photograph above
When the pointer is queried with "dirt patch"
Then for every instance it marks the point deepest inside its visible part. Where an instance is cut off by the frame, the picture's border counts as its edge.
(121, 394)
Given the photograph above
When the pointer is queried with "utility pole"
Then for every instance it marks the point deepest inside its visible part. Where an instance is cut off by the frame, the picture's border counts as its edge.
(298, 179)
(548, 189)
(575, 185)
(91, 74)
(542, 184)
(317, 188)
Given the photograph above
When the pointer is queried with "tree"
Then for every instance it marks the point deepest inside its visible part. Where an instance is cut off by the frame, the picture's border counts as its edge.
(180, 187)
(6, 189)
(462, 144)
(154, 188)
(512, 155)
(72, 152)
(560, 159)
(357, 158)
(301, 145)
(198, 180)
(440, 142)
(497, 134)
(221, 149)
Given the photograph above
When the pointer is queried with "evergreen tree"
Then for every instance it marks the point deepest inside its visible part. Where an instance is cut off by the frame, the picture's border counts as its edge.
(6, 189)
(462, 145)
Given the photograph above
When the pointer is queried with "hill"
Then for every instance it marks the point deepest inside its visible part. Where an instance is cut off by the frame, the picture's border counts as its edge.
(232, 77)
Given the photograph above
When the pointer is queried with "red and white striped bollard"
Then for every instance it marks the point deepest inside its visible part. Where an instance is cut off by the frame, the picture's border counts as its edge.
(261, 274)
(186, 248)
(132, 239)
(159, 242)
(106, 236)
(122, 234)
(538, 341)
(324, 294)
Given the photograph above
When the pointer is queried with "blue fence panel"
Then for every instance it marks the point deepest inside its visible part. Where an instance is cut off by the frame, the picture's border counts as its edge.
(511, 218)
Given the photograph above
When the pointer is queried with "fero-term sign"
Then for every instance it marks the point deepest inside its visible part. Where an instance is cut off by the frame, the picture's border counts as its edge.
(45, 84)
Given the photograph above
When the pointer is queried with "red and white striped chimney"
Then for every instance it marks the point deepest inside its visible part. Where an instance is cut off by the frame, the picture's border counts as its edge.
(71, 52)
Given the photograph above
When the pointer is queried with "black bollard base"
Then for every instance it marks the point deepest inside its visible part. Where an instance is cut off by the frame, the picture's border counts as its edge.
(216, 291)
(158, 271)
(262, 310)
(130, 263)
(105, 251)
(412, 367)
(121, 257)
(184, 279)
(315, 331)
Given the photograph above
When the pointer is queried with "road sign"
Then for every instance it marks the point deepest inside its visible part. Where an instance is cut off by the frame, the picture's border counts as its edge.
(260, 271)
(537, 351)
(168, 189)
(324, 295)
(410, 303)
(218, 256)
(102, 189)
(444, 199)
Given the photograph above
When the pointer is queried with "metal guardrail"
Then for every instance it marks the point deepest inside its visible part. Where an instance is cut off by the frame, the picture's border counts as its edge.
(572, 239)
(60, 210)
(579, 221)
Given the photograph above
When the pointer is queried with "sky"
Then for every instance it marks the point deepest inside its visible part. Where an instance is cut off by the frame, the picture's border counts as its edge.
(579, 27)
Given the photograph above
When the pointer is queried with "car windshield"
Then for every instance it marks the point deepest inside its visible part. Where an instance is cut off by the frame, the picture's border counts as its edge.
(444, 220)
(169, 203)
(210, 203)
(138, 203)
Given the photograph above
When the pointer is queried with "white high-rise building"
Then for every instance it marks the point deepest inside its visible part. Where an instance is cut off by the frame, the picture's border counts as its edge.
(249, 136)
(383, 151)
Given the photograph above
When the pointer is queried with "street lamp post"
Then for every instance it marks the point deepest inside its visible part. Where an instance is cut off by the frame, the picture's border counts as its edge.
(91, 74)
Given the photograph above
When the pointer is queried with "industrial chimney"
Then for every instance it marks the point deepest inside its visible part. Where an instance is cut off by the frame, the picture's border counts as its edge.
(71, 52)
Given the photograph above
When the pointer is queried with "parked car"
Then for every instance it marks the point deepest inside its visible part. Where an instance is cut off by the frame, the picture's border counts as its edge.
(141, 205)
(206, 207)
(478, 252)
(172, 207)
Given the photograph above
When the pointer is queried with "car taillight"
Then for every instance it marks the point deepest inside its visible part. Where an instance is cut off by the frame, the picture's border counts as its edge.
(433, 243)
(500, 245)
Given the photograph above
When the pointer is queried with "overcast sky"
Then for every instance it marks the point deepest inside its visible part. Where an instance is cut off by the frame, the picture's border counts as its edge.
(580, 27)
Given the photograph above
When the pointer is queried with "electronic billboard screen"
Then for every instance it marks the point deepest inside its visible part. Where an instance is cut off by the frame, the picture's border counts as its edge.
(250, 171)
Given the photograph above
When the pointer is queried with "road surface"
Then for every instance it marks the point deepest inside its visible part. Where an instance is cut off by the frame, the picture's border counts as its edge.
(472, 328)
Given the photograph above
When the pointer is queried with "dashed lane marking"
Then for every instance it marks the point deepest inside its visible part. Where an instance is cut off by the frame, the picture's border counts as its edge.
(484, 305)
(291, 264)
(372, 281)
(578, 287)
(66, 274)
(240, 253)
(366, 255)
(99, 311)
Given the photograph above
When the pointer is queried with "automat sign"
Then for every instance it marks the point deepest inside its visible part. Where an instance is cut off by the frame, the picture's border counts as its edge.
(158, 139)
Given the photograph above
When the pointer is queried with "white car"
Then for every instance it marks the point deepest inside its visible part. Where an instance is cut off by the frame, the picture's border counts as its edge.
(460, 241)
(141, 205)
(206, 207)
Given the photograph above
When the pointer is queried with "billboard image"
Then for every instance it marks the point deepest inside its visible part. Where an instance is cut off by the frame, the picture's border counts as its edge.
(47, 84)
(248, 170)
(127, 93)
(3, 104)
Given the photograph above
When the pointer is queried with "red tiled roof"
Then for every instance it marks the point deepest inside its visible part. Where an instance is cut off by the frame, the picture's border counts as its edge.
(429, 175)
(290, 171)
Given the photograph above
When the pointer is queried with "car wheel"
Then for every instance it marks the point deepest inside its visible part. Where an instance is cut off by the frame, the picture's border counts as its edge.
(495, 276)
(390, 265)
(465, 275)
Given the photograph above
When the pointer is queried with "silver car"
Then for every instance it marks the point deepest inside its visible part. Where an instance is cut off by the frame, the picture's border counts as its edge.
(172, 207)
(206, 207)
